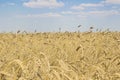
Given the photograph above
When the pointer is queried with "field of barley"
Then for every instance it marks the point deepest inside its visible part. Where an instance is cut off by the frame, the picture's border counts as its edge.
(60, 56)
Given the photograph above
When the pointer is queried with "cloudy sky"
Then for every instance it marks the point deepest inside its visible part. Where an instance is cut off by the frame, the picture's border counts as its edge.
(50, 15)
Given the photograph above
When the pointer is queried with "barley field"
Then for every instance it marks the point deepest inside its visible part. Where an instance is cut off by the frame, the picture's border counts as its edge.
(60, 56)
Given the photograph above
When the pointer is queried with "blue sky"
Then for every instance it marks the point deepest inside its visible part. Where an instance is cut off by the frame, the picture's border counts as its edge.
(50, 15)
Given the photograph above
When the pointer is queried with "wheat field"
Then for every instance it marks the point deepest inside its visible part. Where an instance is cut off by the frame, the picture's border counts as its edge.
(60, 56)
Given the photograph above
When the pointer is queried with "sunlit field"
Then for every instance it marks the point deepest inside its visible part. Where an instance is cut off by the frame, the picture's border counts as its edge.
(60, 56)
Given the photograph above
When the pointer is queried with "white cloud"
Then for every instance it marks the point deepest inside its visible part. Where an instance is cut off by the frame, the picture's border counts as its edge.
(43, 3)
(78, 7)
(67, 12)
(7, 4)
(112, 1)
(92, 13)
(83, 6)
(44, 15)
(115, 7)
(82, 16)
(74, 13)
(104, 13)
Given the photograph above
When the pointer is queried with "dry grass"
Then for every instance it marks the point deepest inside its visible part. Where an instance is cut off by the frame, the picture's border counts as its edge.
(60, 56)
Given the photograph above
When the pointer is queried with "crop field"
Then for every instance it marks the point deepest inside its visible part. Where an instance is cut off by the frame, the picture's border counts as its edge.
(60, 56)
